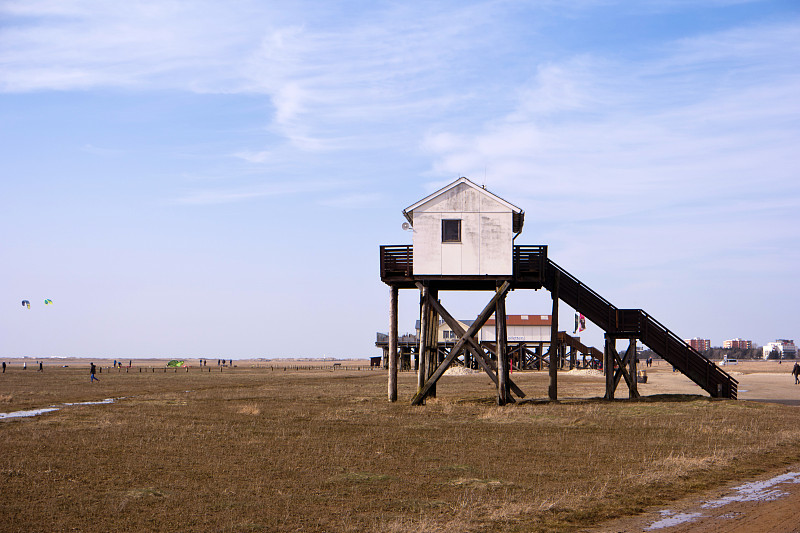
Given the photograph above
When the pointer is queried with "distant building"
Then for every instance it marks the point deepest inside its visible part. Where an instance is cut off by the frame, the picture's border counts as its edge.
(699, 344)
(738, 343)
(519, 328)
(784, 347)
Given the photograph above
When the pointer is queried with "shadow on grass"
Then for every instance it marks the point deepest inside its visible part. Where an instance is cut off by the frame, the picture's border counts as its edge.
(655, 398)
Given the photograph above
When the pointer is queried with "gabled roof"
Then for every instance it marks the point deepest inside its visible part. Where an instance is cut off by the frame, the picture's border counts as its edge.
(407, 211)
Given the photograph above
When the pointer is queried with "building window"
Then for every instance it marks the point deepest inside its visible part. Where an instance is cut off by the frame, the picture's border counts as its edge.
(451, 230)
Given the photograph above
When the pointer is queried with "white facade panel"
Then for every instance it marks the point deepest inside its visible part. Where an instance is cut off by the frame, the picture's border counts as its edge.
(471, 244)
(451, 258)
(496, 246)
(427, 243)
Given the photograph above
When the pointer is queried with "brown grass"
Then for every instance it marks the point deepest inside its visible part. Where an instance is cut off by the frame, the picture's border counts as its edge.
(261, 450)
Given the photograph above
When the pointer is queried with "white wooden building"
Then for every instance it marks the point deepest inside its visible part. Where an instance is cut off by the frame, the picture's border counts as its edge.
(463, 230)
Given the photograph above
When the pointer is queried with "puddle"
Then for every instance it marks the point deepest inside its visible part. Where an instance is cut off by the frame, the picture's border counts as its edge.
(99, 402)
(36, 412)
(671, 518)
(24, 414)
(757, 491)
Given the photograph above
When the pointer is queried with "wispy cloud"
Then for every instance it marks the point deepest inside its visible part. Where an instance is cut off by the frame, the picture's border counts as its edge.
(333, 85)
(283, 188)
(353, 200)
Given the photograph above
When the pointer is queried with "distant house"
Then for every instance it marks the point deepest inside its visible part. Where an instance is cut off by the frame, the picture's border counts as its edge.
(463, 230)
(519, 328)
(446, 333)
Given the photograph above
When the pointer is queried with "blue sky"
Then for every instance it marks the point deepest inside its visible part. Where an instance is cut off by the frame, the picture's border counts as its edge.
(206, 179)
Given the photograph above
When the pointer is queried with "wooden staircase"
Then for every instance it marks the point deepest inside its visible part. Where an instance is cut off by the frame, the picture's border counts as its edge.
(635, 323)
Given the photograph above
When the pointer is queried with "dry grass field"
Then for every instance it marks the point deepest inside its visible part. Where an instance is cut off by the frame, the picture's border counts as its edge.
(268, 449)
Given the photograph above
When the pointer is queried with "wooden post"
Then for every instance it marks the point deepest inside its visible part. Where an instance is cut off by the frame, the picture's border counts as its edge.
(552, 390)
(633, 387)
(433, 341)
(608, 365)
(501, 339)
(393, 343)
(423, 337)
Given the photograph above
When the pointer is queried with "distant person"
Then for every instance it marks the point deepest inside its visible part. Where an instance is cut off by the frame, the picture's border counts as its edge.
(92, 370)
(25, 365)
(796, 373)
(4, 367)
(41, 369)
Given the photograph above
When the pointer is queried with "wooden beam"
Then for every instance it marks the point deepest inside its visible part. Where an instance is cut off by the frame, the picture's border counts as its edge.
(608, 365)
(472, 345)
(423, 332)
(466, 338)
(621, 371)
(633, 389)
(393, 343)
(501, 338)
(552, 390)
(432, 349)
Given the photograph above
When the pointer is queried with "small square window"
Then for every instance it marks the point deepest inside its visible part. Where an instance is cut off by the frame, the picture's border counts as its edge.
(451, 230)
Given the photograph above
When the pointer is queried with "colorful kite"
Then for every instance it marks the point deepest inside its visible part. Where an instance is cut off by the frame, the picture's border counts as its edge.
(26, 303)
(48, 302)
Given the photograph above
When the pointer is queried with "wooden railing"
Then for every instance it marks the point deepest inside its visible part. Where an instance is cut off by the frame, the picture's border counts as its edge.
(397, 261)
(528, 262)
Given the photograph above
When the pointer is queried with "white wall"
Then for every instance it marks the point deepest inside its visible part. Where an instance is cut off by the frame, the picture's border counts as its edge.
(518, 333)
(486, 233)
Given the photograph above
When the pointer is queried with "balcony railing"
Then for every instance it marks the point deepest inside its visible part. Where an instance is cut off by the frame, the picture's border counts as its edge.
(528, 262)
(397, 261)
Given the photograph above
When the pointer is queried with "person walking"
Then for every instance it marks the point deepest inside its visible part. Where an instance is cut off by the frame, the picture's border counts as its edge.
(40, 367)
(796, 373)
(4, 367)
(92, 370)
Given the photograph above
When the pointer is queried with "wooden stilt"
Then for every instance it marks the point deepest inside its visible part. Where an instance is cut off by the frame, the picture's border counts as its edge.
(393, 343)
(633, 387)
(432, 349)
(423, 337)
(552, 390)
(501, 338)
(608, 365)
